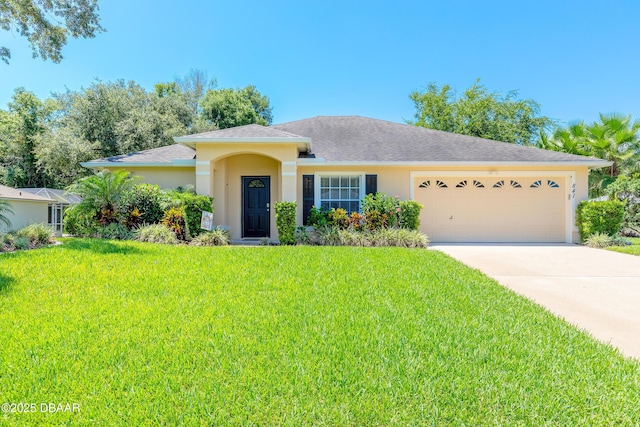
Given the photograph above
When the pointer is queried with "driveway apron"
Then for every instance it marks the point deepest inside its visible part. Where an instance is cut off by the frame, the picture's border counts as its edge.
(595, 289)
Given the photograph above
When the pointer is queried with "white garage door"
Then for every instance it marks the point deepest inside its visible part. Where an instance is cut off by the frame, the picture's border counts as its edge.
(482, 209)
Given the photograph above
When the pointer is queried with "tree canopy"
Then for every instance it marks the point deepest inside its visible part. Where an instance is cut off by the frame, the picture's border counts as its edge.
(48, 24)
(479, 112)
(43, 142)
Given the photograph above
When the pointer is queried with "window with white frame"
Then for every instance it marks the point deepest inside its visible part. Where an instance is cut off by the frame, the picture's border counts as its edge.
(340, 191)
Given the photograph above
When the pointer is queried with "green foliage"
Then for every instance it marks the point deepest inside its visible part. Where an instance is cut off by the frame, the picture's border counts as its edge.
(47, 24)
(115, 231)
(380, 237)
(5, 207)
(627, 189)
(236, 107)
(381, 209)
(286, 222)
(356, 221)
(303, 237)
(175, 220)
(21, 243)
(37, 234)
(480, 113)
(156, 233)
(409, 214)
(318, 216)
(148, 199)
(599, 240)
(193, 205)
(215, 237)
(80, 222)
(20, 127)
(102, 194)
(614, 137)
(338, 218)
(599, 217)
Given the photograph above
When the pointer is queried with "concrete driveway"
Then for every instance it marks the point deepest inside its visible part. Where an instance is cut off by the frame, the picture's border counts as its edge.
(595, 289)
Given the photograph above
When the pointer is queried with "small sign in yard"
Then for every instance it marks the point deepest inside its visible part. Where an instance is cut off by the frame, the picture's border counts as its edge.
(206, 222)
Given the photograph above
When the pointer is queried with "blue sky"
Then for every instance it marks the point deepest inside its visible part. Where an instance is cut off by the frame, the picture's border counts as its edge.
(575, 58)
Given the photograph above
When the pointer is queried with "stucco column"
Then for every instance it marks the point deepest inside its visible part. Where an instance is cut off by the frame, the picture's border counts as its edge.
(288, 181)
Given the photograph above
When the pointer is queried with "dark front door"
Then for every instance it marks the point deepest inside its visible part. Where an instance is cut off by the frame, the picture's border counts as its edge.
(255, 206)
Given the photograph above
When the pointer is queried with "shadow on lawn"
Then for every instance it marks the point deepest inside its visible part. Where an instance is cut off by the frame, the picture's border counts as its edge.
(100, 246)
(5, 283)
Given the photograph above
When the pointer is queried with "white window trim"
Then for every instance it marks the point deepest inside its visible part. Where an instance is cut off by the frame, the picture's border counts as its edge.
(318, 175)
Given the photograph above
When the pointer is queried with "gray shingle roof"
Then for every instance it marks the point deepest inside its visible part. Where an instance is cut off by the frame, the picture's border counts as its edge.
(354, 138)
(155, 155)
(246, 131)
(18, 194)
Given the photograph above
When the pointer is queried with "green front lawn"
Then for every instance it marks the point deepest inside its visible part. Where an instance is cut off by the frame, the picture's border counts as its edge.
(141, 334)
(633, 249)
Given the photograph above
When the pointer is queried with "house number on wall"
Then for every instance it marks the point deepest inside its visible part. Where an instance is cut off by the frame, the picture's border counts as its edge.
(573, 190)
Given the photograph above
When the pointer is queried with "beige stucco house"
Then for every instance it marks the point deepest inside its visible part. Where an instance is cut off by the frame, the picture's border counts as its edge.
(472, 189)
(27, 208)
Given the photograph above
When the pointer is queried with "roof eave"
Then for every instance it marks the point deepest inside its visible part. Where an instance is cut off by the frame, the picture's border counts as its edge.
(301, 142)
(323, 162)
(176, 163)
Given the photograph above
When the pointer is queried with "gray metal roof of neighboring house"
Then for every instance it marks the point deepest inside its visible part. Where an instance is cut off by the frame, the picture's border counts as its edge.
(18, 194)
(164, 154)
(355, 138)
(60, 196)
(246, 131)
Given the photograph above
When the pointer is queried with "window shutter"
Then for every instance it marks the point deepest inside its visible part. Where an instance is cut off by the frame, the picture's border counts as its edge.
(371, 186)
(307, 196)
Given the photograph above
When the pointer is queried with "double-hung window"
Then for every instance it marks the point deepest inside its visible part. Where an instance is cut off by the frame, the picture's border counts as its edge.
(340, 191)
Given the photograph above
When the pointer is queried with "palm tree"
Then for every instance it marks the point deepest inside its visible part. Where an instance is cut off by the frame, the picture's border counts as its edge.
(615, 138)
(5, 207)
(101, 193)
(572, 140)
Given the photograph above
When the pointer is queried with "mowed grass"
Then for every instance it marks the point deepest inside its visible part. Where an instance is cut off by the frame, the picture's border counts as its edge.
(633, 249)
(142, 334)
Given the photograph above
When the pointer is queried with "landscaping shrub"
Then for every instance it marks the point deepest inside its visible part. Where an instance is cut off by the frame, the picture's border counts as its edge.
(599, 217)
(216, 237)
(318, 217)
(143, 204)
(400, 237)
(338, 218)
(193, 205)
(286, 222)
(156, 233)
(79, 222)
(599, 240)
(409, 214)
(356, 221)
(383, 204)
(375, 220)
(21, 243)
(37, 234)
(115, 231)
(175, 219)
(627, 189)
(303, 237)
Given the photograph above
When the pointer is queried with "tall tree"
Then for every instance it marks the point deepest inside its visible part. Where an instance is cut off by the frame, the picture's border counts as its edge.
(479, 112)
(236, 107)
(47, 24)
(193, 86)
(20, 127)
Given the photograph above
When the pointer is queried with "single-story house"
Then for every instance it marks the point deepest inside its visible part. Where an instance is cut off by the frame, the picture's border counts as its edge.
(472, 189)
(61, 201)
(27, 208)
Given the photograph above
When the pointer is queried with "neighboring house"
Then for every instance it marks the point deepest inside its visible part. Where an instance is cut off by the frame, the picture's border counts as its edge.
(27, 208)
(61, 201)
(472, 189)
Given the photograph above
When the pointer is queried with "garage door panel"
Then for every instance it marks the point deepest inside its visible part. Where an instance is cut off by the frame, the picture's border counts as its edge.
(479, 209)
